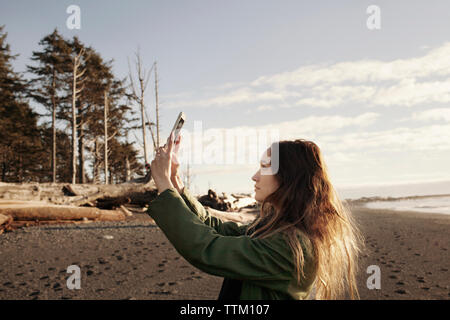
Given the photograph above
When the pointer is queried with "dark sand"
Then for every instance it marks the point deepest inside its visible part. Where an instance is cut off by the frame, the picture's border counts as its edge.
(411, 250)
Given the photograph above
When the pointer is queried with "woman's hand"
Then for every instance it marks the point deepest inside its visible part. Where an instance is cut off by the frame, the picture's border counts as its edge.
(161, 166)
(174, 177)
(175, 162)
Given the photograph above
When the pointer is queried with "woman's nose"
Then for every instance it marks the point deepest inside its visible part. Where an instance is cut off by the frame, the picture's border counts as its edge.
(255, 177)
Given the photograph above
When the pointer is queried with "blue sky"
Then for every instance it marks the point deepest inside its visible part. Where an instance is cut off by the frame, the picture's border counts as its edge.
(376, 101)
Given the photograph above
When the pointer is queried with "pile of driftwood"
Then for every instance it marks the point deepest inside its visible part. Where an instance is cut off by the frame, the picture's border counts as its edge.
(60, 204)
(233, 202)
(35, 204)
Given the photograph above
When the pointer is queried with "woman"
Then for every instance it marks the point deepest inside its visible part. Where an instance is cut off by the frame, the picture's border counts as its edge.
(302, 237)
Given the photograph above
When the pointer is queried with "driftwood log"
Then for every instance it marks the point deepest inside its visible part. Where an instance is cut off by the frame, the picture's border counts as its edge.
(213, 201)
(5, 222)
(226, 202)
(43, 212)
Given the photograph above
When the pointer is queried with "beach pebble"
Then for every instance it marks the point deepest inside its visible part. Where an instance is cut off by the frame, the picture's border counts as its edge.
(108, 237)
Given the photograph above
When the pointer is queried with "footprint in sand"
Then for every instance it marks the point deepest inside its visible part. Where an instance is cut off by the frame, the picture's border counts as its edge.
(34, 293)
(166, 292)
(57, 287)
(401, 291)
(421, 280)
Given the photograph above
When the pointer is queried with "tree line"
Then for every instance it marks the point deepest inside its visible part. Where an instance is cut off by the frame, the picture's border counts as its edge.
(88, 114)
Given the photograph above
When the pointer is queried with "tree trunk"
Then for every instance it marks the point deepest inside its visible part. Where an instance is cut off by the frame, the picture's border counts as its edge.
(74, 123)
(144, 138)
(54, 127)
(81, 176)
(3, 171)
(157, 107)
(97, 162)
(105, 121)
(75, 91)
(127, 169)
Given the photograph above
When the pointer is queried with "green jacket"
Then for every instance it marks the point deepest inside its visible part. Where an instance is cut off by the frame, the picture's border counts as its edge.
(265, 266)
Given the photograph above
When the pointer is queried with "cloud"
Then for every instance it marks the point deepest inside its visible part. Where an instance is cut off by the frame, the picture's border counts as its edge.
(403, 139)
(318, 125)
(400, 82)
(436, 114)
(435, 63)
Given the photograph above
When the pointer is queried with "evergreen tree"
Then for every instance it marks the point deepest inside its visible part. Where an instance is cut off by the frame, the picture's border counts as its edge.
(52, 63)
(19, 135)
(123, 162)
(63, 172)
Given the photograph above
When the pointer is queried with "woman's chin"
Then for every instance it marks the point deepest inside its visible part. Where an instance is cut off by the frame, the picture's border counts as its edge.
(257, 198)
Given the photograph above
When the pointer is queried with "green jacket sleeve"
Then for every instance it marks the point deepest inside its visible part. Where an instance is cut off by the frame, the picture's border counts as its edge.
(228, 228)
(234, 257)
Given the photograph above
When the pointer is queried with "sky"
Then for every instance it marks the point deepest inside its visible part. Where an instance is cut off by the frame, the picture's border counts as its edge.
(376, 101)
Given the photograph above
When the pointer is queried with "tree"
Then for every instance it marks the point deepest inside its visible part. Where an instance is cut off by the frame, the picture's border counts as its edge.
(78, 57)
(52, 63)
(123, 161)
(19, 135)
(63, 149)
(137, 95)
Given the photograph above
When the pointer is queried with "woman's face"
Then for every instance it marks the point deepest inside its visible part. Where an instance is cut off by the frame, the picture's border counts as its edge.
(265, 184)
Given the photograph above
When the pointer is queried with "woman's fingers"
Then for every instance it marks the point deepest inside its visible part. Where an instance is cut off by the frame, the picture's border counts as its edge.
(171, 143)
(175, 162)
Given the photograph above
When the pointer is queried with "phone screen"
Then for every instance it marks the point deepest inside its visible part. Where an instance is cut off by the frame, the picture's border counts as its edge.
(177, 129)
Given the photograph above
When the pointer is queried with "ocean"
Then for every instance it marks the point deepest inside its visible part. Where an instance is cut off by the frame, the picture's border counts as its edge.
(432, 203)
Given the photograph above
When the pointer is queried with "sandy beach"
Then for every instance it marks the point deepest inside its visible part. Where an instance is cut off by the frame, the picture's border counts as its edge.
(134, 260)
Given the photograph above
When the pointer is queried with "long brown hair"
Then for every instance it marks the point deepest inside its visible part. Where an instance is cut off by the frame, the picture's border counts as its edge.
(306, 201)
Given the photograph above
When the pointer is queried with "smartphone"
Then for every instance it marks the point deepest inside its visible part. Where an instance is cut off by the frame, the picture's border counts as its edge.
(178, 125)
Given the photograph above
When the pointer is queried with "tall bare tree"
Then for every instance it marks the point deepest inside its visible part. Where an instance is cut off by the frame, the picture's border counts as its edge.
(156, 106)
(78, 57)
(138, 95)
(105, 123)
